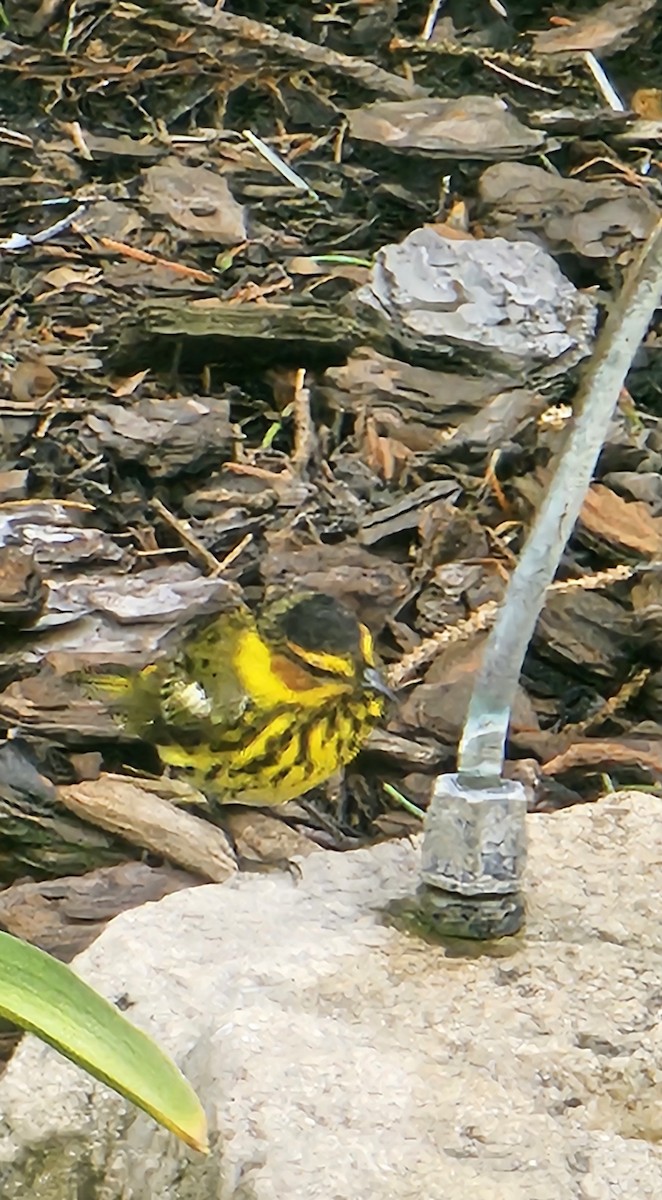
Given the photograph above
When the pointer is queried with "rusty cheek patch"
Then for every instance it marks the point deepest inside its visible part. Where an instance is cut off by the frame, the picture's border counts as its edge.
(293, 676)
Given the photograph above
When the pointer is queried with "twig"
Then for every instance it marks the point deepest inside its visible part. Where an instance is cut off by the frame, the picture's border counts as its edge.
(538, 87)
(483, 618)
(257, 33)
(224, 563)
(491, 481)
(447, 49)
(304, 430)
(77, 136)
(192, 543)
(240, 468)
(605, 85)
(412, 663)
(153, 259)
(24, 241)
(431, 19)
(613, 704)
(14, 138)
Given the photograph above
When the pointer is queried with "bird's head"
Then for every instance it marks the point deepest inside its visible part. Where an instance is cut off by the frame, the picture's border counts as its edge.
(317, 632)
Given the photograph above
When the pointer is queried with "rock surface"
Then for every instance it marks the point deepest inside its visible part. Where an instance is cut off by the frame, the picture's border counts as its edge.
(340, 1058)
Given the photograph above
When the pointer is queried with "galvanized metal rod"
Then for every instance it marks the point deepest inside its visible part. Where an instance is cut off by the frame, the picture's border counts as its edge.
(474, 848)
(481, 752)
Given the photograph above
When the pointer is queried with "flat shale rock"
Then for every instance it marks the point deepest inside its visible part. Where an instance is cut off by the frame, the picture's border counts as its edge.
(165, 436)
(340, 1057)
(426, 409)
(473, 127)
(601, 220)
(499, 305)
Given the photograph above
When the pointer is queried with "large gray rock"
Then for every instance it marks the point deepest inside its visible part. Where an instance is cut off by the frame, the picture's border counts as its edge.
(495, 304)
(339, 1058)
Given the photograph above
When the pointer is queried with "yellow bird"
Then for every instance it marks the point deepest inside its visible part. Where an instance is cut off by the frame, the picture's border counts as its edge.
(258, 710)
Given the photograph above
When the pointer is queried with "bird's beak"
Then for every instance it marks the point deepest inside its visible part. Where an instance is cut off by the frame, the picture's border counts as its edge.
(373, 680)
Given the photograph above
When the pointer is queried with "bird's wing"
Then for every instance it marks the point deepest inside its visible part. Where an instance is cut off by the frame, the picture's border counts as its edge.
(208, 660)
(188, 698)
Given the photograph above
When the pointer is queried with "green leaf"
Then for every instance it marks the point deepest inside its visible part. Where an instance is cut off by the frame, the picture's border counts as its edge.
(408, 805)
(44, 996)
(350, 260)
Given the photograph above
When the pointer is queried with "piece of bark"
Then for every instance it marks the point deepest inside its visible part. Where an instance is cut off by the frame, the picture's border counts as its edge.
(63, 916)
(14, 485)
(310, 54)
(38, 837)
(146, 820)
(264, 334)
(411, 403)
(624, 529)
(407, 753)
(605, 756)
(22, 589)
(370, 585)
(405, 514)
(598, 222)
(585, 633)
(610, 27)
(263, 840)
(473, 127)
(438, 706)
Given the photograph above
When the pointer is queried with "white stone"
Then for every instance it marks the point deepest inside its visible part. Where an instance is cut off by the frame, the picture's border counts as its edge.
(340, 1059)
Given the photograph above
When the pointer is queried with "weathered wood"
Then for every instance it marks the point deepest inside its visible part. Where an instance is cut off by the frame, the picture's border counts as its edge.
(144, 819)
(205, 332)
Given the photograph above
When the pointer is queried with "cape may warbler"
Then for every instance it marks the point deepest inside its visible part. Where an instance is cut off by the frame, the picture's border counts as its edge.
(258, 710)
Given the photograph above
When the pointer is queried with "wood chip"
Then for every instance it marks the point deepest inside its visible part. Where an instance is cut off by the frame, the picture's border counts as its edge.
(144, 819)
